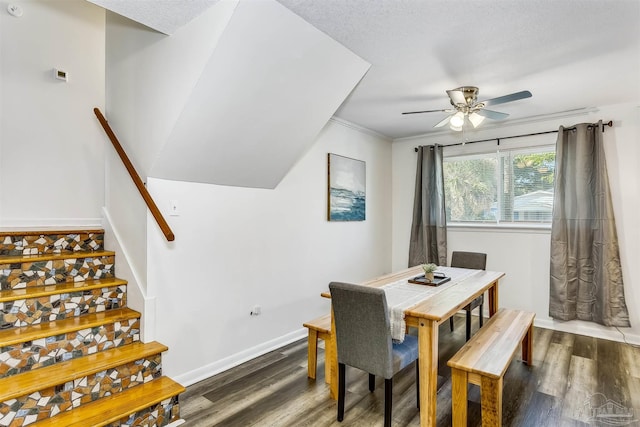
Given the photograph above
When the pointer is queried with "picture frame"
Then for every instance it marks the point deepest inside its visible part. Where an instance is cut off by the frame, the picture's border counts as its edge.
(346, 188)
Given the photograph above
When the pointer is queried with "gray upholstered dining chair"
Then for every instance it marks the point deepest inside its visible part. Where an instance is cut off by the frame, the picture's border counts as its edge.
(364, 341)
(476, 261)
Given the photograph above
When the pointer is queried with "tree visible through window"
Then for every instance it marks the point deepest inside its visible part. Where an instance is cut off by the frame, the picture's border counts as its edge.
(507, 186)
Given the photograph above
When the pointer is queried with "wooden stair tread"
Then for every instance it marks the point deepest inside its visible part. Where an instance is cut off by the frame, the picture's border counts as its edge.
(28, 382)
(115, 407)
(59, 327)
(14, 259)
(30, 231)
(60, 288)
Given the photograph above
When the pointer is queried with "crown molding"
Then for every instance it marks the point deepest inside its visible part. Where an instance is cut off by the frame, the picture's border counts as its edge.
(359, 128)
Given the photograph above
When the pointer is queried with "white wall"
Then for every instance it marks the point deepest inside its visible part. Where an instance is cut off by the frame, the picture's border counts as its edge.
(236, 247)
(51, 145)
(524, 254)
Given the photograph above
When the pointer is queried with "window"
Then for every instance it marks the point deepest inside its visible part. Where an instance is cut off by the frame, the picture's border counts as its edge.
(507, 186)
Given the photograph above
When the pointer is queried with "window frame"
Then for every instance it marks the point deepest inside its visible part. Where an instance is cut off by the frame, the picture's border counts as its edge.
(495, 149)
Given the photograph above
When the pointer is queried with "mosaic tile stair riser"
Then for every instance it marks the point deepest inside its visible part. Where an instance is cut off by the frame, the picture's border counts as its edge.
(24, 357)
(42, 273)
(34, 244)
(64, 397)
(32, 311)
(75, 287)
(157, 415)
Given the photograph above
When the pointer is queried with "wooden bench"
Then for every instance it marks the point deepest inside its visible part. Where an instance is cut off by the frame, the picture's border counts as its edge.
(319, 328)
(484, 359)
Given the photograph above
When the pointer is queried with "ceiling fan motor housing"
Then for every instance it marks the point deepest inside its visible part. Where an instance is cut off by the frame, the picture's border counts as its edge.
(470, 94)
(470, 104)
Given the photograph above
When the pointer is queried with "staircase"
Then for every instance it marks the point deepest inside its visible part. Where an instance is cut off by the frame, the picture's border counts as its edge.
(70, 349)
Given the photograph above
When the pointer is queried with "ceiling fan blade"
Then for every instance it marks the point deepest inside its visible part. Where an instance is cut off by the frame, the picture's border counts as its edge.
(490, 114)
(457, 97)
(427, 111)
(443, 122)
(508, 98)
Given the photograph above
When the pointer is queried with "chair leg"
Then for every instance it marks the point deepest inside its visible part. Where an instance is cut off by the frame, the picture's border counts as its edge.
(451, 323)
(468, 324)
(418, 381)
(372, 382)
(388, 387)
(341, 390)
(481, 318)
(312, 354)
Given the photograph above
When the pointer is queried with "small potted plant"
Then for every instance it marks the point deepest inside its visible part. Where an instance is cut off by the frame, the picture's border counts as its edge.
(428, 271)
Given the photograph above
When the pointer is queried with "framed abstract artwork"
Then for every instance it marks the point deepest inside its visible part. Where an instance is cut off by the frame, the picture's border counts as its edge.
(347, 185)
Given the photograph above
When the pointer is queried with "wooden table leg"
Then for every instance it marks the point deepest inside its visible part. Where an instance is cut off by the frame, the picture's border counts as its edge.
(491, 401)
(428, 359)
(331, 357)
(493, 298)
(459, 401)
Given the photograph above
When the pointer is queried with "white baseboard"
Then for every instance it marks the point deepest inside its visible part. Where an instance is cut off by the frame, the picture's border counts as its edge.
(589, 329)
(580, 327)
(207, 371)
(137, 297)
(222, 365)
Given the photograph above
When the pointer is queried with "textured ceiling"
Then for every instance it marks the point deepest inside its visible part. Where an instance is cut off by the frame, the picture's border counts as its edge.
(570, 54)
(165, 16)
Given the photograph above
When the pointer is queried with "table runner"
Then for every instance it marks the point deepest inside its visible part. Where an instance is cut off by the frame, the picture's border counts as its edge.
(401, 295)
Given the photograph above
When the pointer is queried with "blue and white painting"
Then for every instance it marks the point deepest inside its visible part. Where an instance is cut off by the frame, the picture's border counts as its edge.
(347, 184)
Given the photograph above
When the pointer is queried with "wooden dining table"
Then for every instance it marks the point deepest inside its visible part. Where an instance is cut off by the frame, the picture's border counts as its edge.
(425, 315)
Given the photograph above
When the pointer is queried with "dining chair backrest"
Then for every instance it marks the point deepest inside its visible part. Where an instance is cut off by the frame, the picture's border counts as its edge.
(362, 328)
(473, 260)
(476, 261)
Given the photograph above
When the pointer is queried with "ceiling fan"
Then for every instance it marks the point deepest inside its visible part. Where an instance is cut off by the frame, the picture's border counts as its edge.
(466, 106)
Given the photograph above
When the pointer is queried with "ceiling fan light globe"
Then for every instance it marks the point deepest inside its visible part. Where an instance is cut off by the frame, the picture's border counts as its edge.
(476, 119)
(455, 128)
(457, 120)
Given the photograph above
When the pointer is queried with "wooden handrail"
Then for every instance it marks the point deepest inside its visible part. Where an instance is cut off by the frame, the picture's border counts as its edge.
(135, 177)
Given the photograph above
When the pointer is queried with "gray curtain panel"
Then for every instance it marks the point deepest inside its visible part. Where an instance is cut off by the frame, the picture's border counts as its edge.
(586, 277)
(429, 227)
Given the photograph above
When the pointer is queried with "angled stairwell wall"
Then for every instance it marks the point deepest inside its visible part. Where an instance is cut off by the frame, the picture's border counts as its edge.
(235, 97)
(269, 87)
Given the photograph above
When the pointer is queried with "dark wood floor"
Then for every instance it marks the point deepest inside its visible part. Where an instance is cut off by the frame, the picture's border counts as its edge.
(572, 375)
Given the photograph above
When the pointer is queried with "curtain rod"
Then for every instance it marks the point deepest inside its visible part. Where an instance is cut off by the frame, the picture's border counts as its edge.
(609, 123)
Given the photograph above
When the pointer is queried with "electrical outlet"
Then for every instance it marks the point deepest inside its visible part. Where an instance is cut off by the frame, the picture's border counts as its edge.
(256, 310)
